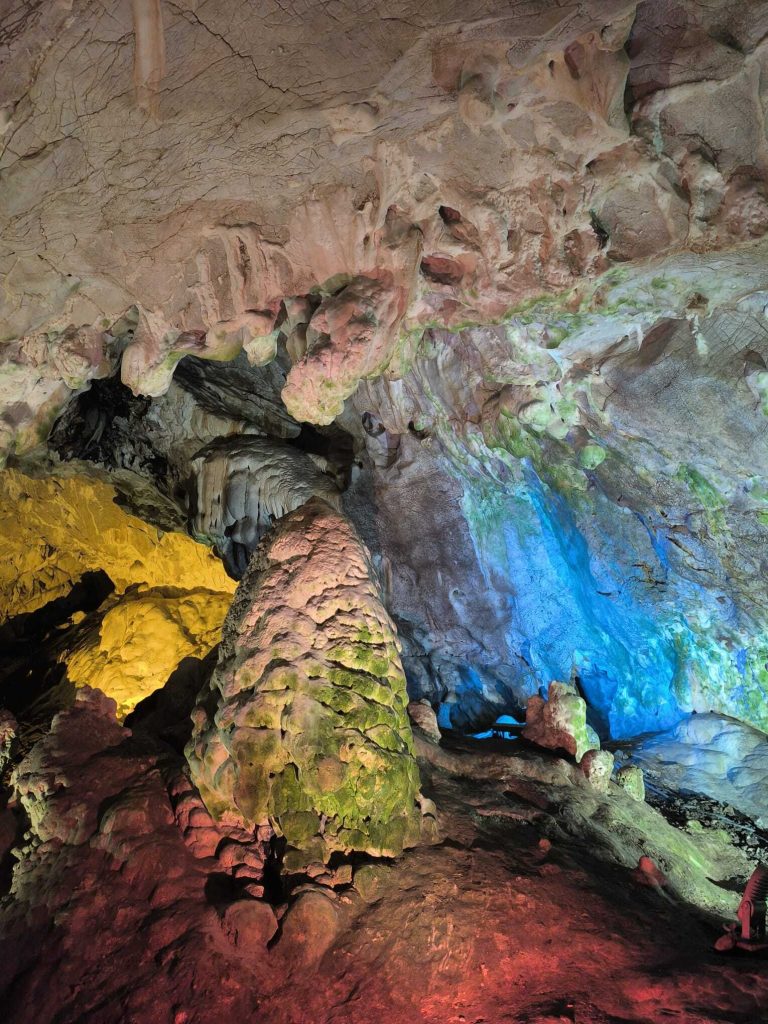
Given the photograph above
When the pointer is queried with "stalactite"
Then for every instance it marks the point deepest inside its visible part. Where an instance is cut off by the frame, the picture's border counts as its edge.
(149, 54)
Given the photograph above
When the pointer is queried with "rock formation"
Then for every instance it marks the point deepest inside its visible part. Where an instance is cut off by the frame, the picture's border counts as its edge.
(142, 638)
(560, 721)
(167, 595)
(55, 529)
(442, 328)
(507, 328)
(305, 727)
(242, 485)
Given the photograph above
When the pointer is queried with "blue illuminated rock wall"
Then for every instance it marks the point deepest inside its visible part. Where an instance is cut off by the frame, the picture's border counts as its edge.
(608, 523)
(595, 594)
(574, 613)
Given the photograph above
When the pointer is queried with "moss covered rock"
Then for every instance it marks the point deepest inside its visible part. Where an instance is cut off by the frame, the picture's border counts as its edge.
(305, 725)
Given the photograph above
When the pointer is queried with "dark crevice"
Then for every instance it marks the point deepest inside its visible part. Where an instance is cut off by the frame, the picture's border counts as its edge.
(28, 643)
(599, 229)
(166, 714)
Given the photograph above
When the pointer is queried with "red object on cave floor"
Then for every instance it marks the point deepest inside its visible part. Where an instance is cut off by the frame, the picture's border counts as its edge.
(751, 917)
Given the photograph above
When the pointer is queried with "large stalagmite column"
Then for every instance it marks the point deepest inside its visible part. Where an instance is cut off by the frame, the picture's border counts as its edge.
(305, 724)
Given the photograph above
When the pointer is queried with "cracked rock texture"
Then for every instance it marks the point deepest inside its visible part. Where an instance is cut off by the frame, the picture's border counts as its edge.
(305, 724)
(184, 179)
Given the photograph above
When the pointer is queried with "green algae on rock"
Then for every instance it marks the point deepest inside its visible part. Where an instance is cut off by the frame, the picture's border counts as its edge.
(305, 726)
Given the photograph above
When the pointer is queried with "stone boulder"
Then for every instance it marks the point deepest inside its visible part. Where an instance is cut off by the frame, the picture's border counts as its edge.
(422, 715)
(560, 722)
(304, 726)
(632, 781)
(597, 766)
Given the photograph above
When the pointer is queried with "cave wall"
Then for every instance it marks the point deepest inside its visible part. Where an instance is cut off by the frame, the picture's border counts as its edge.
(546, 548)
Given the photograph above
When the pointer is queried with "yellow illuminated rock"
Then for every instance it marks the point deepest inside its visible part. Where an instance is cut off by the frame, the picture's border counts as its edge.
(171, 593)
(142, 639)
(55, 529)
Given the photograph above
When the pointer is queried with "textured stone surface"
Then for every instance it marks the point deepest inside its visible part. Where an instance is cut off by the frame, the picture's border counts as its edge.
(384, 200)
(423, 717)
(242, 485)
(567, 178)
(305, 724)
(559, 722)
(103, 855)
(604, 517)
(53, 530)
(518, 253)
(707, 753)
(170, 594)
(142, 638)
(632, 781)
(8, 731)
(597, 766)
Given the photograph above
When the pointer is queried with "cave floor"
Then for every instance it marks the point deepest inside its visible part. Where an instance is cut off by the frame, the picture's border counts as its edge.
(512, 917)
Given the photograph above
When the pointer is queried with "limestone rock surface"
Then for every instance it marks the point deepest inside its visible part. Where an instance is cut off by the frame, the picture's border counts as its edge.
(241, 485)
(104, 886)
(597, 766)
(169, 594)
(53, 530)
(560, 721)
(423, 717)
(722, 758)
(305, 724)
(461, 168)
(142, 638)
(632, 781)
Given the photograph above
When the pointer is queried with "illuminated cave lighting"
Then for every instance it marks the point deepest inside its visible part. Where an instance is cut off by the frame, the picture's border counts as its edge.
(504, 728)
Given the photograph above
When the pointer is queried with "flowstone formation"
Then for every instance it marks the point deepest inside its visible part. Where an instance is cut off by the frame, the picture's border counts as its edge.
(165, 595)
(53, 529)
(242, 485)
(522, 354)
(305, 725)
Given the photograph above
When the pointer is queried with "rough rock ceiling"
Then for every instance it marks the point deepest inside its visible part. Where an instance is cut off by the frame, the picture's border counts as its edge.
(220, 169)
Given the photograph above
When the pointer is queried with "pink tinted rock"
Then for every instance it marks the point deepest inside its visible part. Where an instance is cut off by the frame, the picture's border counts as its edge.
(249, 925)
(310, 927)
(424, 718)
(560, 722)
